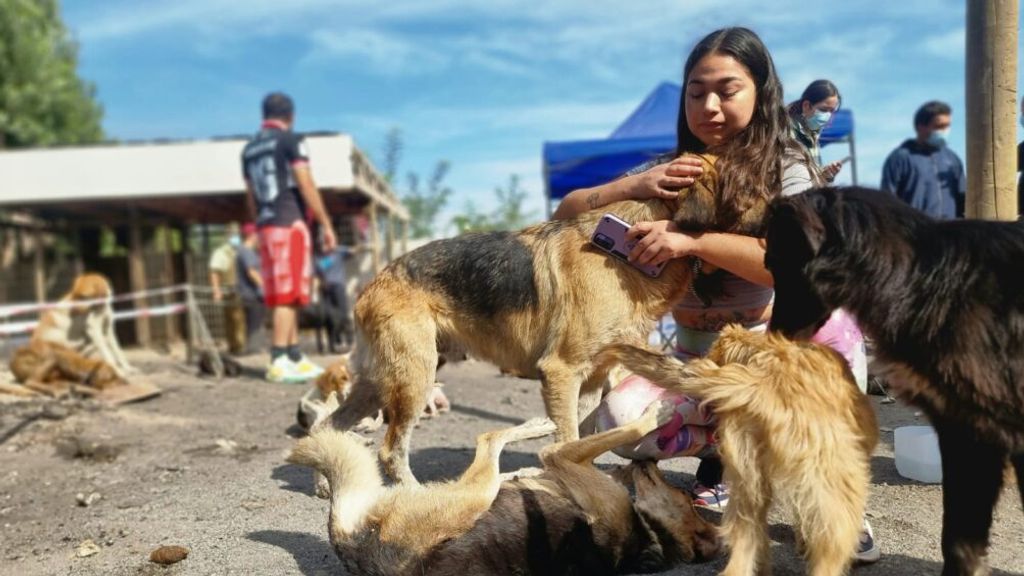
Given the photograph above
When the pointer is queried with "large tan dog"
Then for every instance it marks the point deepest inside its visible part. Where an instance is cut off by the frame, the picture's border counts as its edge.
(572, 519)
(56, 370)
(87, 329)
(793, 427)
(540, 302)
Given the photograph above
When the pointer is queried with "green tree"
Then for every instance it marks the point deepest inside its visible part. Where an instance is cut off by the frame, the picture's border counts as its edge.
(472, 221)
(424, 205)
(508, 215)
(42, 99)
(392, 154)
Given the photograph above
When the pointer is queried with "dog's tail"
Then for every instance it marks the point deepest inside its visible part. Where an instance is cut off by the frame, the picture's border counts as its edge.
(351, 471)
(726, 388)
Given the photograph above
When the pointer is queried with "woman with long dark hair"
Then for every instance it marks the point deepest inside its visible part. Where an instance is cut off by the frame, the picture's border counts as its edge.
(731, 106)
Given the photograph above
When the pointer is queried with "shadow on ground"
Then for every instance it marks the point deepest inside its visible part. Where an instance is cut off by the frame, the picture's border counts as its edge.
(313, 555)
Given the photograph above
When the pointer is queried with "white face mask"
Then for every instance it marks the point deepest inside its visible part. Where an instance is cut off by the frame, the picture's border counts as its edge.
(938, 138)
(818, 119)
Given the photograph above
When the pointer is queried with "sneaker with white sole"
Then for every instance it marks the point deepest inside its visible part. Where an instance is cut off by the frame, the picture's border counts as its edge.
(715, 497)
(867, 550)
(307, 368)
(282, 369)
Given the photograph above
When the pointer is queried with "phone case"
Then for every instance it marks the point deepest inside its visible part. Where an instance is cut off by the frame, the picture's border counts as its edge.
(610, 237)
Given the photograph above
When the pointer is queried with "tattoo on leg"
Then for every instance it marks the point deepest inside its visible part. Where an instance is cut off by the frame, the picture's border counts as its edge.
(592, 200)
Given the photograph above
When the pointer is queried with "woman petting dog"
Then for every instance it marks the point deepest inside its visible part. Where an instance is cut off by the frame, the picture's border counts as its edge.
(731, 106)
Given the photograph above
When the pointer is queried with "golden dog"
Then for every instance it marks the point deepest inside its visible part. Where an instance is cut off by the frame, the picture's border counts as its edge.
(55, 370)
(793, 428)
(541, 302)
(85, 328)
(572, 519)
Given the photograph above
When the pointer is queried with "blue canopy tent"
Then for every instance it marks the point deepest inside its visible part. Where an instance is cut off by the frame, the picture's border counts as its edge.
(649, 131)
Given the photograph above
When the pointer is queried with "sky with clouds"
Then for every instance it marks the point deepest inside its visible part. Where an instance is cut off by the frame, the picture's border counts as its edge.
(485, 84)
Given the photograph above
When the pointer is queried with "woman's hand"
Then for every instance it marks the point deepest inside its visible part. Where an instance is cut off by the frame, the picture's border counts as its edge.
(665, 180)
(831, 169)
(657, 242)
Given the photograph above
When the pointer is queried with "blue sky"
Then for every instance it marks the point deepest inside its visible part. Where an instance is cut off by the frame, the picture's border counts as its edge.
(484, 83)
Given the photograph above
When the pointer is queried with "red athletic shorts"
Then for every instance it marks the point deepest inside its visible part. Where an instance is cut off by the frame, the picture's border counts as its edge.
(287, 264)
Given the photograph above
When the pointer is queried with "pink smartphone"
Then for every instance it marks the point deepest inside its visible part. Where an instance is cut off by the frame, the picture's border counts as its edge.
(610, 236)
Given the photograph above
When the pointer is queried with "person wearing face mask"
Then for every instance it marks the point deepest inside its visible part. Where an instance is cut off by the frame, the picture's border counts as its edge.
(810, 114)
(923, 171)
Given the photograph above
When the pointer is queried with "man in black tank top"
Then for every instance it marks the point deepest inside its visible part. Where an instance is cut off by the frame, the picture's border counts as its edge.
(275, 165)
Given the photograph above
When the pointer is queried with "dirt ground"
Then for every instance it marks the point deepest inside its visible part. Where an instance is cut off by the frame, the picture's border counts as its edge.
(202, 466)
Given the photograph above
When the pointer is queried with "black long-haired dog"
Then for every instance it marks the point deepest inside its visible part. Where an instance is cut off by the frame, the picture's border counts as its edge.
(944, 303)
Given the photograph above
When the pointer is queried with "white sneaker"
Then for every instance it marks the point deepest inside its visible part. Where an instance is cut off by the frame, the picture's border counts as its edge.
(867, 551)
(284, 370)
(306, 368)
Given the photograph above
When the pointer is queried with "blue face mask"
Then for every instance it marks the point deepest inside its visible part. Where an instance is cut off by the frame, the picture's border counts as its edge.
(818, 120)
(938, 138)
(235, 240)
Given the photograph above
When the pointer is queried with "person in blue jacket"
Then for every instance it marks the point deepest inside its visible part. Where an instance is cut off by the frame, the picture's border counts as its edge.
(923, 171)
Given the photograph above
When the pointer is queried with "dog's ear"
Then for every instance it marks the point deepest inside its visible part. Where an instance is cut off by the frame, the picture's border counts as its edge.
(696, 207)
(796, 221)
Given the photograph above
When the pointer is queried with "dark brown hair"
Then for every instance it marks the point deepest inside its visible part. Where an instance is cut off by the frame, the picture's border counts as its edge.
(815, 92)
(749, 164)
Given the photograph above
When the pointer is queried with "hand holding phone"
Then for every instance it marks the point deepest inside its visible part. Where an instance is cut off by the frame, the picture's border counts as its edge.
(610, 237)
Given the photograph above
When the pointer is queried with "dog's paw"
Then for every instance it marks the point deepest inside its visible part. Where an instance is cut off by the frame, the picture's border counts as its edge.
(369, 424)
(323, 488)
(437, 402)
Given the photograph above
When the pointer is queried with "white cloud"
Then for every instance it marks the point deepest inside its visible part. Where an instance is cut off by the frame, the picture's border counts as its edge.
(950, 45)
(383, 53)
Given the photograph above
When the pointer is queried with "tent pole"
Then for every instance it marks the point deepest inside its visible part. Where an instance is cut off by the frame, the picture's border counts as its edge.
(853, 158)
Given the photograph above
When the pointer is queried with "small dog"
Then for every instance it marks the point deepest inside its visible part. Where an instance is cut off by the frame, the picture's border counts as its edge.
(56, 370)
(540, 302)
(86, 329)
(793, 428)
(337, 378)
(572, 519)
(943, 302)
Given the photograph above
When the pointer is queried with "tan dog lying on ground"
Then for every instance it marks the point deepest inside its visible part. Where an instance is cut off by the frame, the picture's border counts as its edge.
(793, 428)
(56, 370)
(86, 329)
(572, 519)
(541, 302)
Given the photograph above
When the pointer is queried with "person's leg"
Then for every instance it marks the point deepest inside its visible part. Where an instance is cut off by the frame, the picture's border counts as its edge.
(284, 327)
(252, 324)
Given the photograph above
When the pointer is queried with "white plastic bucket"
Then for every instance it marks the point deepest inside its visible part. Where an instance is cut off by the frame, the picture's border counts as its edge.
(917, 454)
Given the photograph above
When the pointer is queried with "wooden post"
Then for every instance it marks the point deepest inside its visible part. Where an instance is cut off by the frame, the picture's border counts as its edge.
(76, 237)
(137, 274)
(991, 96)
(186, 256)
(405, 236)
(374, 236)
(391, 236)
(39, 265)
(171, 320)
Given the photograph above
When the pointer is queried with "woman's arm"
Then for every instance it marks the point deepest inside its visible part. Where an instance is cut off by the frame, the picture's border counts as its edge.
(661, 181)
(662, 240)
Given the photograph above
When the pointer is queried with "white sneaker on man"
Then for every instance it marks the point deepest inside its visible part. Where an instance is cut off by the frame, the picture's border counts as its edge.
(282, 369)
(306, 368)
